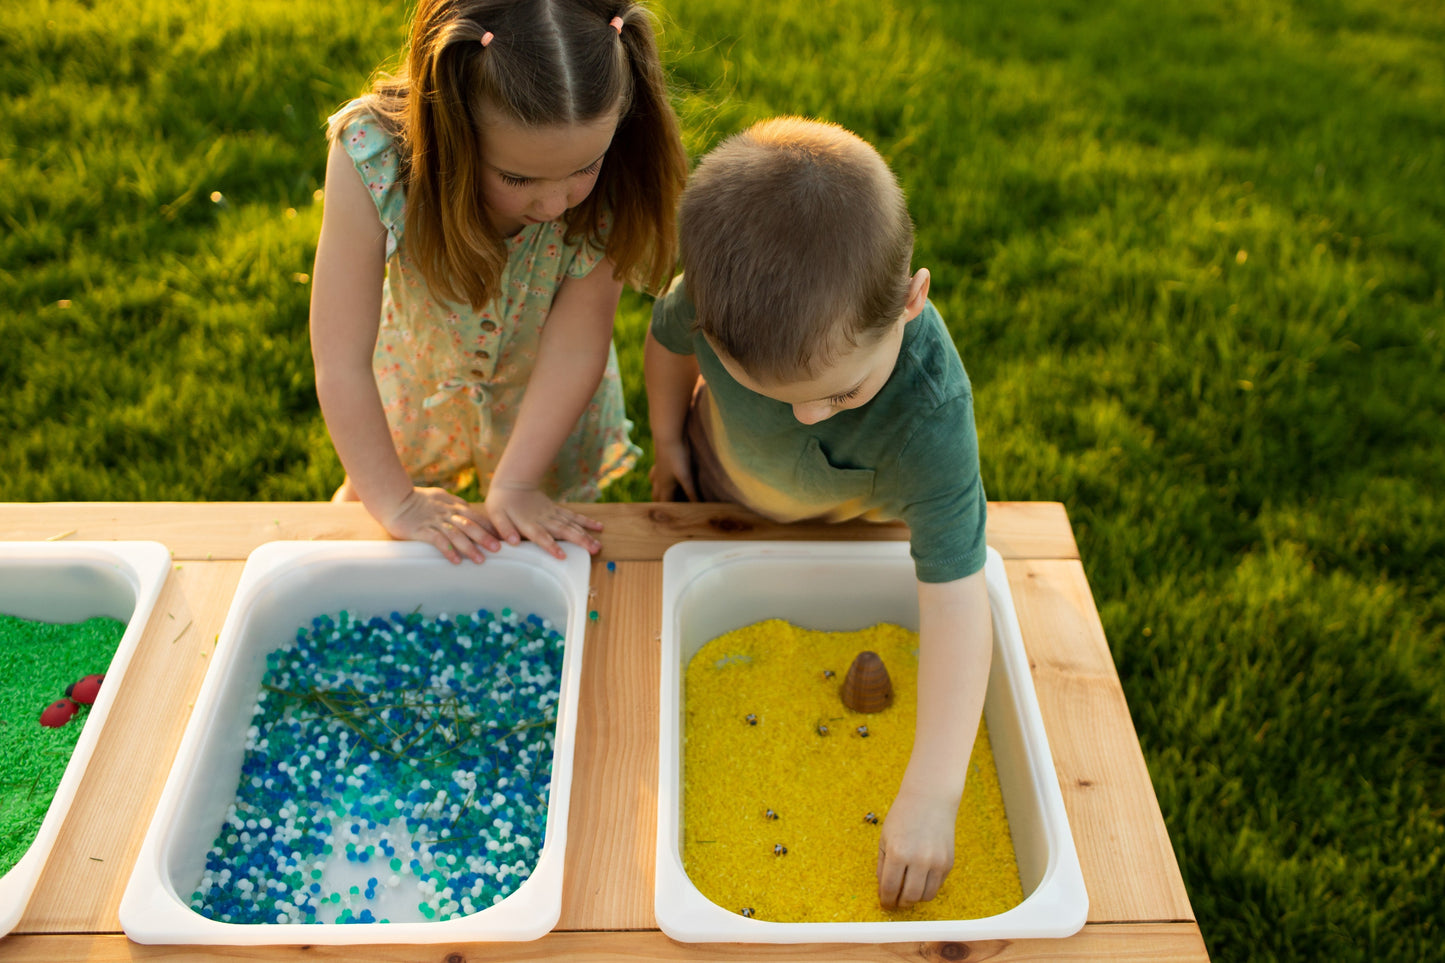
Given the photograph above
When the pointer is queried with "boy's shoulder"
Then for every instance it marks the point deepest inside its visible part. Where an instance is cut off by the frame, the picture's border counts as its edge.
(930, 371)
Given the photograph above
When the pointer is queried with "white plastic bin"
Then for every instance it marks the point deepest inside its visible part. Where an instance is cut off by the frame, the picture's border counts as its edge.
(71, 582)
(710, 588)
(284, 585)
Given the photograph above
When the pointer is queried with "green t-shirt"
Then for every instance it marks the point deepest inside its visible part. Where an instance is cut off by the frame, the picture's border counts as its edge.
(910, 453)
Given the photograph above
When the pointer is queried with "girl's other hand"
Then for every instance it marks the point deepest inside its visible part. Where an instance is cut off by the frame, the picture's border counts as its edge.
(671, 470)
(455, 526)
(522, 511)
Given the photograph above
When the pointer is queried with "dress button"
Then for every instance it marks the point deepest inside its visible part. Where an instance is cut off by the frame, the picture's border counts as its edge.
(489, 325)
(484, 355)
(478, 374)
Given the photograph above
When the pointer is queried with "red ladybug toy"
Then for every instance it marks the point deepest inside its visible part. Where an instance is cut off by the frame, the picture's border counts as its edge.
(85, 690)
(58, 713)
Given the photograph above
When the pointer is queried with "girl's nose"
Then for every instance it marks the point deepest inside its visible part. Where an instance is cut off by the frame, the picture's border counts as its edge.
(551, 205)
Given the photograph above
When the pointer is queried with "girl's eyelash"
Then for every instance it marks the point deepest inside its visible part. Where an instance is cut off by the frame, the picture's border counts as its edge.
(511, 181)
(849, 396)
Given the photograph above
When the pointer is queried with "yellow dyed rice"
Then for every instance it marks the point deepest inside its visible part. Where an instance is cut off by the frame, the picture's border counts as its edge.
(820, 787)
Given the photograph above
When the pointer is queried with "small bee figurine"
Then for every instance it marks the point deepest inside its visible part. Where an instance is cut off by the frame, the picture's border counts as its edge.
(822, 729)
(863, 731)
(748, 912)
(751, 719)
(870, 818)
(770, 814)
(828, 673)
(780, 850)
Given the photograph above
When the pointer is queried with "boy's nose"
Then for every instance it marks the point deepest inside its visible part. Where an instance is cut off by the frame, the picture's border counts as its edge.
(811, 414)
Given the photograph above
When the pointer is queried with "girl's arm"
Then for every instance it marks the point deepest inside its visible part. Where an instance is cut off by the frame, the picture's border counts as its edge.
(345, 314)
(571, 358)
(671, 379)
(915, 851)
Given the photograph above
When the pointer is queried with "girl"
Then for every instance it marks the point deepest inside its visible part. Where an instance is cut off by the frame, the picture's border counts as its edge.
(483, 209)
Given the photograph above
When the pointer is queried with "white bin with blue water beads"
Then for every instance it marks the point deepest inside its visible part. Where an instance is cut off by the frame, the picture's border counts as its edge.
(383, 739)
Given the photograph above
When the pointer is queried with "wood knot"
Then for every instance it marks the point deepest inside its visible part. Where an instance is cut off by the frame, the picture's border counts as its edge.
(729, 524)
(659, 516)
(953, 951)
(455, 958)
(867, 687)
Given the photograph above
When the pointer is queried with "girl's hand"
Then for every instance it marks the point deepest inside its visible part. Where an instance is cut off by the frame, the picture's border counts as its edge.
(452, 524)
(671, 469)
(915, 851)
(522, 511)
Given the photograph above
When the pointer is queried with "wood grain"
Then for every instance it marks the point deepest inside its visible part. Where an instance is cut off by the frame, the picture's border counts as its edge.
(640, 532)
(81, 886)
(1129, 866)
(607, 883)
(1117, 943)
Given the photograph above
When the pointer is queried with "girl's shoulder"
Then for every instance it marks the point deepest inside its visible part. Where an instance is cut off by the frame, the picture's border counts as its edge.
(375, 154)
(362, 134)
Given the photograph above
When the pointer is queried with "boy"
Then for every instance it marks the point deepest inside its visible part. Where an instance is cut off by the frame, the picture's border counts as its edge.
(830, 389)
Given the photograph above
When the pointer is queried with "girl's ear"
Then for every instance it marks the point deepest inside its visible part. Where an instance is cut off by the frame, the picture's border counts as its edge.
(917, 294)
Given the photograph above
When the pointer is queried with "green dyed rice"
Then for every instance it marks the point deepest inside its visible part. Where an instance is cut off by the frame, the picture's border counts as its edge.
(820, 787)
(37, 661)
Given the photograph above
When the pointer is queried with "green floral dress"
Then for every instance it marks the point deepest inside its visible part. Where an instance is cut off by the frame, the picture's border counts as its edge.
(452, 378)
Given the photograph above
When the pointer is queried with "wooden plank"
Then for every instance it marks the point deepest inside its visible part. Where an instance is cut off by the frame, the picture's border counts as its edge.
(632, 532)
(1118, 943)
(1129, 867)
(86, 874)
(608, 881)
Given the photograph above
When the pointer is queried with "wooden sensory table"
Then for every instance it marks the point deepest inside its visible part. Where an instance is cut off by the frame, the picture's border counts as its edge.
(1138, 907)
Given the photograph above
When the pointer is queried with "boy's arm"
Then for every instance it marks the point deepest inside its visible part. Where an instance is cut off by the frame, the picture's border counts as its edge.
(671, 379)
(915, 851)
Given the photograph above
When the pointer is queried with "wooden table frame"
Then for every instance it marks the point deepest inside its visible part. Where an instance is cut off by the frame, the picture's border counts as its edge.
(1138, 908)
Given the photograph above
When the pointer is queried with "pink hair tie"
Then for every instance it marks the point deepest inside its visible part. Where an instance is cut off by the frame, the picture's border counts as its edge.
(486, 38)
(616, 24)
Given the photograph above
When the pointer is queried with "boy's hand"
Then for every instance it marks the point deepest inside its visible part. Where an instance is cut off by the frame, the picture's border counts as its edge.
(521, 511)
(915, 851)
(452, 524)
(671, 469)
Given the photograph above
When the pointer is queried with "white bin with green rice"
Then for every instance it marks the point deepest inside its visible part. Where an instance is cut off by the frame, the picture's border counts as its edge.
(61, 586)
(381, 752)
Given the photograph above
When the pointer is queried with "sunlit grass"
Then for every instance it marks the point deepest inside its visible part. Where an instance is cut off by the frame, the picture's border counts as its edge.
(1193, 254)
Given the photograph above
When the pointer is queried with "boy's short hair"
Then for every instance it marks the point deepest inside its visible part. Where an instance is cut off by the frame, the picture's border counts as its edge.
(793, 233)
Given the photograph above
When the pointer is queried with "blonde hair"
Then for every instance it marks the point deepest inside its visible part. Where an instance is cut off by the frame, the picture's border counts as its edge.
(795, 241)
(547, 62)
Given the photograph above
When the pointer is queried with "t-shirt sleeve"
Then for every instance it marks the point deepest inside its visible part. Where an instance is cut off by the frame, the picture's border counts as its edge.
(941, 494)
(588, 252)
(373, 152)
(672, 319)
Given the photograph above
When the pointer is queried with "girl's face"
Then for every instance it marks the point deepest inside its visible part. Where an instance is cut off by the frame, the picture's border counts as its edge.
(536, 174)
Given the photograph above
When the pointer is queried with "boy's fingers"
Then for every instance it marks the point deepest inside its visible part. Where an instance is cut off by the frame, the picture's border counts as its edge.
(890, 882)
(935, 880)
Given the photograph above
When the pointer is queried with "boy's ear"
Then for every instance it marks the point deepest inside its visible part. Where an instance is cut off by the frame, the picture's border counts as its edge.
(917, 294)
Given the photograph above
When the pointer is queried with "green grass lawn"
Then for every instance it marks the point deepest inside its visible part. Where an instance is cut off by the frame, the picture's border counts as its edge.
(1192, 251)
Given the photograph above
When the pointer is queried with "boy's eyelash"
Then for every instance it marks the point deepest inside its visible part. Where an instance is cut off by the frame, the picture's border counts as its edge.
(523, 181)
(849, 396)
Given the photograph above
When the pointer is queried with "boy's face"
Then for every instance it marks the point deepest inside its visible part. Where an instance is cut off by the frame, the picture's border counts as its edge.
(850, 381)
